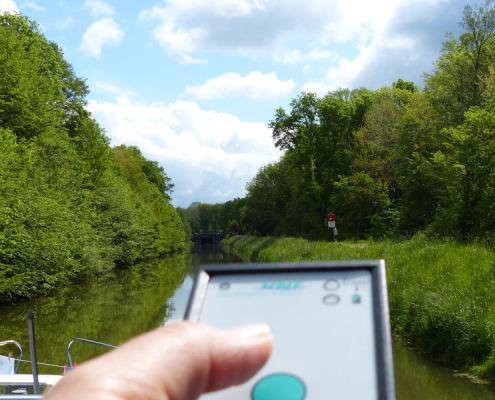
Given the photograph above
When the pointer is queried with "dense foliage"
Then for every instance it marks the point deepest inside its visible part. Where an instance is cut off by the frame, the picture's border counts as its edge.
(70, 205)
(212, 218)
(389, 162)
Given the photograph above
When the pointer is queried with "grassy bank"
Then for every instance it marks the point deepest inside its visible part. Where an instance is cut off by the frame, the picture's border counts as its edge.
(442, 294)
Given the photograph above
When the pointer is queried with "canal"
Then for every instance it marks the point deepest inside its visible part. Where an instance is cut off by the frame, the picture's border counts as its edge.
(119, 306)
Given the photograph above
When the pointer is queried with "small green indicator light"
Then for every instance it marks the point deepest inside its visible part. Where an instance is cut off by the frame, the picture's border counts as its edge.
(356, 298)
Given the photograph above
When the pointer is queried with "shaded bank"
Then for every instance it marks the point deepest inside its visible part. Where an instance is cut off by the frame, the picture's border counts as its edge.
(442, 294)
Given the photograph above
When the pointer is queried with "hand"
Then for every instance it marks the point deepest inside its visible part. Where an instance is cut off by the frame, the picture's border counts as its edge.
(178, 362)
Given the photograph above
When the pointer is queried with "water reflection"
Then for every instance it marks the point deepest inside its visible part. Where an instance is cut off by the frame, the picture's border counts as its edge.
(417, 377)
(110, 309)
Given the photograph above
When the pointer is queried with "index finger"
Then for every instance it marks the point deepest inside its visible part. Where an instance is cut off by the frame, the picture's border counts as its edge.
(177, 362)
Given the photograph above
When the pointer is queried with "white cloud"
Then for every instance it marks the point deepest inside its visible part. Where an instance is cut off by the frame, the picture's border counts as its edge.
(348, 71)
(103, 32)
(254, 86)
(348, 37)
(398, 48)
(8, 6)
(98, 8)
(178, 40)
(187, 26)
(209, 155)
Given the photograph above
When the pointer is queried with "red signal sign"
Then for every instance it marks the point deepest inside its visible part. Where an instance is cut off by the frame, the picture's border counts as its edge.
(331, 217)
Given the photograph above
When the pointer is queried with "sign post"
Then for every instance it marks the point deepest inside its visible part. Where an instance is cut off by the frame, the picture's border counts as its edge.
(332, 224)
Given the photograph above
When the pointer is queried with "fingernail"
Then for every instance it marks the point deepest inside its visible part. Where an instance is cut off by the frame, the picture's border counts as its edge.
(254, 331)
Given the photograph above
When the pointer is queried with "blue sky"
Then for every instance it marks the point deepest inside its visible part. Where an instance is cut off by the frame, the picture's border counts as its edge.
(193, 83)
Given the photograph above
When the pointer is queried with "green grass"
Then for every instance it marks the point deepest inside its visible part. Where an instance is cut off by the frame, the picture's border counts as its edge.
(441, 293)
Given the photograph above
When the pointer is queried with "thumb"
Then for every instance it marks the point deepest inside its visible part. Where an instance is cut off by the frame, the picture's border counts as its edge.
(177, 362)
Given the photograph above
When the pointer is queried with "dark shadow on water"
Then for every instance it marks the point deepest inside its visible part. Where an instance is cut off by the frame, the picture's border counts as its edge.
(211, 254)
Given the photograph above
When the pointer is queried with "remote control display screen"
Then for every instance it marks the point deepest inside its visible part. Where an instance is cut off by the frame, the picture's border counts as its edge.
(322, 323)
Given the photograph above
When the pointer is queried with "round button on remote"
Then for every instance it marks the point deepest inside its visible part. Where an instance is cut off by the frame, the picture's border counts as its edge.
(331, 299)
(331, 284)
(279, 386)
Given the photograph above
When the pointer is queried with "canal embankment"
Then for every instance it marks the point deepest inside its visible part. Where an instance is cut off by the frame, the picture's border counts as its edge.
(441, 293)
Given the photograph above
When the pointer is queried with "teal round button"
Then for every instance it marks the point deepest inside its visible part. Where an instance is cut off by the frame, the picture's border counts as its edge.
(279, 386)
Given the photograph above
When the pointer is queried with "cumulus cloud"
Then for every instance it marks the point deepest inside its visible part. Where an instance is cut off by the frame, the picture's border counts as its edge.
(185, 26)
(100, 33)
(8, 6)
(254, 86)
(98, 8)
(403, 46)
(378, 41)
(375, 65)
(209, 155)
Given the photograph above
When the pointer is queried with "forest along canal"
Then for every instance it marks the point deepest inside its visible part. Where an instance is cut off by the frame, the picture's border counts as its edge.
(115, 308)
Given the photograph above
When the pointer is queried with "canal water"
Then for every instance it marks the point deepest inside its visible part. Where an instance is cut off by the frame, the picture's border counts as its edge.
(114, 308)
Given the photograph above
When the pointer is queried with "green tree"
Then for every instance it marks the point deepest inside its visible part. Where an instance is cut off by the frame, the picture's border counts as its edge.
(70, 206)
(318, 137)
(266, 202)
(38, 89)
(456, 83)
(363, 207)
(405, 85)
(419, 140)
(467, 168)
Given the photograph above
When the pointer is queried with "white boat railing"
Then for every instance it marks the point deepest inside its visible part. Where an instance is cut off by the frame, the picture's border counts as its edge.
(18, 386)
(19, 347)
